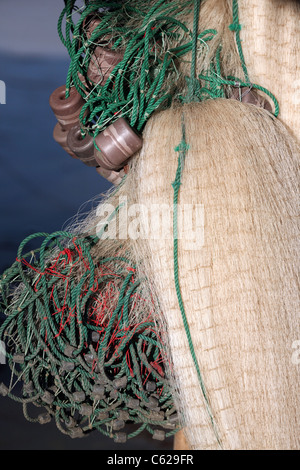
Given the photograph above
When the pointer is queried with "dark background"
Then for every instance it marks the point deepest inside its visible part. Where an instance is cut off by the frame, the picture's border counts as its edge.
(41, 186)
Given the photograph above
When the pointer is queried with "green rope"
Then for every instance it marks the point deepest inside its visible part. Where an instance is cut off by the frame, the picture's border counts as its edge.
(236, 27)
(145, 79)
(50, 321)
(64, 298)
(130, 91)
(182, 148)
(193, 78)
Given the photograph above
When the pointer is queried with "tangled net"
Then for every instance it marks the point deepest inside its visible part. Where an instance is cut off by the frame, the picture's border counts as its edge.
(73, 332)
(74, 339)
(152, 38)
(144, 79)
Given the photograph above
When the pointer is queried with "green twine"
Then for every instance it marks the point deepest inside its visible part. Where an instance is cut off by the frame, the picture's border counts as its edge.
(182, 148)
(231, 81)
(140, 84)
(211, 84)
(236, 27)
(193, 79)
(145, 79)
(213, 89)
(64, 300)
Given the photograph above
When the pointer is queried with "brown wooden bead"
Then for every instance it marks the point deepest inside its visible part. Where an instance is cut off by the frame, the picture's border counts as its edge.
(60, 136)
(103, 60)
(250, 96)
(83, 148)
(102, 63)
(117, 143)
(90, 24)
(66, 110)
(114, 177)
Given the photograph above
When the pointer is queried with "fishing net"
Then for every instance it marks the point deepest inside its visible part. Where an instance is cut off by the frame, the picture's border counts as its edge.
(83, 331)
(75, 341)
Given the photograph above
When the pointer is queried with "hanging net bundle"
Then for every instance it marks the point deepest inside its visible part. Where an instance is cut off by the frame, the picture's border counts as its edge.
(126, 61)
(84, 336)
(75, 343)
